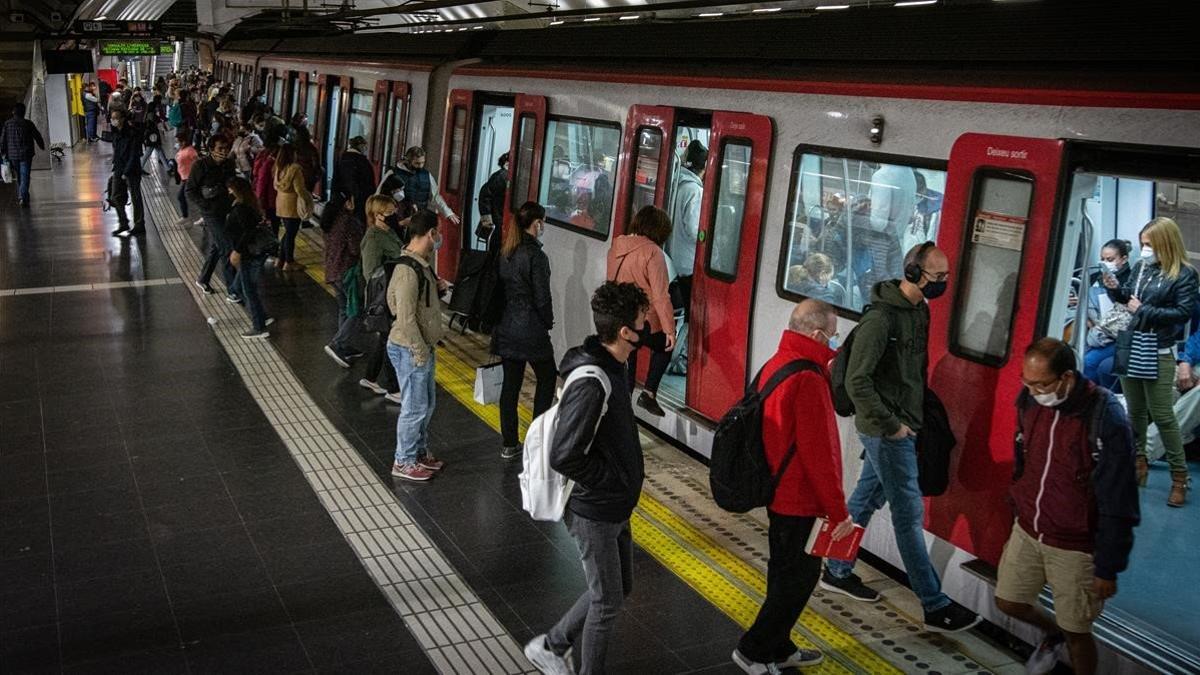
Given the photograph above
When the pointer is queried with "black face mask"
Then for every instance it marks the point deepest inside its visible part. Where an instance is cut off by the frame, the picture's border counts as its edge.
(933, 290)
(641, 333)
(393, 221)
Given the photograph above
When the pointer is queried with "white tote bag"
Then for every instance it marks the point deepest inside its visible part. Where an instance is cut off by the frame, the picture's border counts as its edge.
(489, 379)
(6, 173)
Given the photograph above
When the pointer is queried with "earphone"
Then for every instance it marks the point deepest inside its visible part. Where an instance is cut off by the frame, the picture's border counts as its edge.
(914, 270)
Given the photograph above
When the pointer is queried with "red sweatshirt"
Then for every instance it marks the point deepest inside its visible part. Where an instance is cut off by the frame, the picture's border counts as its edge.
(800, 411)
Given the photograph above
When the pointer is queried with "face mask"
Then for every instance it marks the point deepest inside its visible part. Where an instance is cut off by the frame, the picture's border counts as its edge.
(933, 290)
(1148, 255)
(393, 221)
(1110, 267)
(637, 332)
(1049, 400)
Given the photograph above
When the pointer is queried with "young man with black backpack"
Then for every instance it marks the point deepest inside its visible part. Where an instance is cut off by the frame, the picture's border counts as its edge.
(597, 446)
(802, 447)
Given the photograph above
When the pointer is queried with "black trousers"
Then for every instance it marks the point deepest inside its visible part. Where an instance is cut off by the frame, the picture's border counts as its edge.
(792, 575)
(543, 394)
(134, 186)
(683, 287)
(660, 358)
(379, 367)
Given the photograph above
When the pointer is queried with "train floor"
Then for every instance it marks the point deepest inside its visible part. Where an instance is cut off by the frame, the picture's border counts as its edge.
(174, 498)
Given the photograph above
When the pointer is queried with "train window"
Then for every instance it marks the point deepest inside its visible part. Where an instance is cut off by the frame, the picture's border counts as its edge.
(294, 103)
(396, 138)
(458, 141)
(577, 174)
(523, 167)
(726, 241)
(851, 219)
(987, 296)
(361, 103)
(277, 95)
(310, 103)
(645, 169)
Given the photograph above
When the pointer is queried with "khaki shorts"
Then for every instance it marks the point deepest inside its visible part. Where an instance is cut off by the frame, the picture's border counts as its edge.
(1027, 565)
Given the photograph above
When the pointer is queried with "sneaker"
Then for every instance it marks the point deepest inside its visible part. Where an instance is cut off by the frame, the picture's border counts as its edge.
(546, 661)
(649, 404)
(367, 384)
(120, 231)
(510, 452)
(336, 358)
(270, 320)
(205, 288)
(754, 667)
(951, 619)
(851, 587)
(233, 299)
(430, 462)
(413, 472)
(354, 355)
(1046, 656)
(255, 335)
(802, 658)
(393, 397)
(137, 232)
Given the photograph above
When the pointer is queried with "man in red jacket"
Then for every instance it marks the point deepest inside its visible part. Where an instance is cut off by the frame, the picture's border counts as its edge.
(800, 413)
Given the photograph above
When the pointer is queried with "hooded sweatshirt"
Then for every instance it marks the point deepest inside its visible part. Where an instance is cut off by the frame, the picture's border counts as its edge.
(607, 466)
(636, 259)
(685, 212)
(885, 376)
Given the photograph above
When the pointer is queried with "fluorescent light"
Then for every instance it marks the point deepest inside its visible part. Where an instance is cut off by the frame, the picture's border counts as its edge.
(462, 29)
(709, 15)
(100, 18)
(630, 17)
(477, 28)
(767, 10)
(915, 3)
(820, 7)
(557, 22)
(591, 19)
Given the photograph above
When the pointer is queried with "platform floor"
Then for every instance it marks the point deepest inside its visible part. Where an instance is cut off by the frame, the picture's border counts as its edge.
(175, 499)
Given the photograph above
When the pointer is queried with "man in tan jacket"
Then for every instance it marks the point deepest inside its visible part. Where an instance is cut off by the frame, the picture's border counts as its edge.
(413, 298)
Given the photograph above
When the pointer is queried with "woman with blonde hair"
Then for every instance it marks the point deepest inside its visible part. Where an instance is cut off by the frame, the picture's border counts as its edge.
(1161, 293)
(293, 203)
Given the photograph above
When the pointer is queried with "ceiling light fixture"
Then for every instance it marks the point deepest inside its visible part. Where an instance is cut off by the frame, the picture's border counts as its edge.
(824, 7)
(557, 22)
(767, 10)
(630, 17)
(477, 28)
(591, 19)
(915, 3)
(709, 15)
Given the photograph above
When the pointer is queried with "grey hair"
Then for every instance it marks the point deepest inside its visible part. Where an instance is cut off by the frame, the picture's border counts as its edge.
(915, 256)
(811, 315)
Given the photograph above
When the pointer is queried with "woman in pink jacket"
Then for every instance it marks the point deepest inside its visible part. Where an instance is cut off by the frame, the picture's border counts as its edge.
(638, 257)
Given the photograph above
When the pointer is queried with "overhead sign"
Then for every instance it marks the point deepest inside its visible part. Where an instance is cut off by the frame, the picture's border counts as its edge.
(135, 48)
(121, 27)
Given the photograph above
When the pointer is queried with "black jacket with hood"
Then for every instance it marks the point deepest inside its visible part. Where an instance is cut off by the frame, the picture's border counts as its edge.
(524, 329)
(607, 467)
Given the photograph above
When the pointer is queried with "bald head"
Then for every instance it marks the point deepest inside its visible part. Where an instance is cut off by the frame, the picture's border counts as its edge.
(811, 316)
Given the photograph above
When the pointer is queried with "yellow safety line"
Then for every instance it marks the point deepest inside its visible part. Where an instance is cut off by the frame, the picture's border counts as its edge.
(672, 541)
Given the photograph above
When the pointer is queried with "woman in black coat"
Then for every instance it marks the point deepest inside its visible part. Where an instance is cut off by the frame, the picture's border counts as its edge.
(523, 333)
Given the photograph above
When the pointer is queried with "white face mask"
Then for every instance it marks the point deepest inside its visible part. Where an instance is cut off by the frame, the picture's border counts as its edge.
(1050, 400)
(1110, 267)
(1148, 255)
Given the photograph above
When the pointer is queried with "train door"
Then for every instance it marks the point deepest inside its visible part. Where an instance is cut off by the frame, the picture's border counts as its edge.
(491, 137)
(454, 159)
(336, 101)
(525, 155)
(726, 260)
(390, 117)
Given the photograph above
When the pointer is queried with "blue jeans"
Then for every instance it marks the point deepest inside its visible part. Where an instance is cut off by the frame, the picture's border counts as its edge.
(889, 475)
(418, 392)
(20, 169)
(1098, 365)
(90, 120)
(247, 280)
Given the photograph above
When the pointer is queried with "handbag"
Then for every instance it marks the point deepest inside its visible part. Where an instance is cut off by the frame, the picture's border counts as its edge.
(304, 205)
(264, 242)
(6, 172)
(1137, 354)
(489, 379)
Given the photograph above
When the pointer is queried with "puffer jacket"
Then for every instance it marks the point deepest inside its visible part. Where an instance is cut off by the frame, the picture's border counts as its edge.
(1167, 304)
(524, 329)
(1068, 494)
(607, 466)
(289, 186)
(636, 259)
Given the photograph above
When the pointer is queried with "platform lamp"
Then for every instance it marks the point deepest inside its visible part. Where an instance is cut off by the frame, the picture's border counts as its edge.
(876, 133)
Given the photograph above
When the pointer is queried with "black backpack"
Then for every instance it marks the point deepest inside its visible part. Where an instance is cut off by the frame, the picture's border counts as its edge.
(377, 317)
(738, 473)
(842, 404)
(935, 442)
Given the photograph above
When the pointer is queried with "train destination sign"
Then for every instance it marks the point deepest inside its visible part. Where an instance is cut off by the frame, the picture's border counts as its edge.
(121, 27)
(135, 48)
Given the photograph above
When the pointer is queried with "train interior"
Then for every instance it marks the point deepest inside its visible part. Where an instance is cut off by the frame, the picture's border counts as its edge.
(1159, 596)
(334, 121)
(492, 138)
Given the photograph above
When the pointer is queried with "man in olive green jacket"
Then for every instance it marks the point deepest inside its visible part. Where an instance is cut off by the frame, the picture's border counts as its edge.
(885, 378)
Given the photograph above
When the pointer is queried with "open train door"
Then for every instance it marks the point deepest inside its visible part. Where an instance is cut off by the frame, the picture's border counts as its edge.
(997, 228)
(525, 156)
(456, 142)
(735, 183)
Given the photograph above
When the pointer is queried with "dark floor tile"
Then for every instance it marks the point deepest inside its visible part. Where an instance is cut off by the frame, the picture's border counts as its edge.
(117, 634)
(25, 539)
(197, 488)
(540, 603)
(516, 564)
(195, 579)
(27, 608)
(409, 664)
(158, 661)
(262, 458)
(241, 483)
(81, 563)
(238, 612)
(141, 592)
(291, 500)
(274, 650)
(116, 474)
(90, 528)
(154, 469)
(662, 662)
(33, 649)
(685, 620)
(707, 655)
(82, 437)
(300, 530)
(360, 636)
(187, 516)
(68, 507)
(85, 457)
(229, 542)
(331, 596)
(300, 564)
(22, 476)
(21, 444)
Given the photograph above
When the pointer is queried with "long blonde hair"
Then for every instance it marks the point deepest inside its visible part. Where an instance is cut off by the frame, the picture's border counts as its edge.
(1167, 242)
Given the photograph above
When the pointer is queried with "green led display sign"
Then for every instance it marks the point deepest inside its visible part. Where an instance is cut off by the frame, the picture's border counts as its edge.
(135, 48)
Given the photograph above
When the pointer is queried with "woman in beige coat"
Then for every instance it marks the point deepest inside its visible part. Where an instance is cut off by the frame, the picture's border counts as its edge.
(293, 203)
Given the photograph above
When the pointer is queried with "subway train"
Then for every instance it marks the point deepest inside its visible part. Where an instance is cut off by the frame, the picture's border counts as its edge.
(816, 182)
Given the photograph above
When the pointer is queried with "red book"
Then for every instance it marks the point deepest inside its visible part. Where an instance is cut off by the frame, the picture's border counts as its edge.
(821, 545)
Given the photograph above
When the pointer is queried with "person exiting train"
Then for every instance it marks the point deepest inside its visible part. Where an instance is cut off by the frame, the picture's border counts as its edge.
(686, 200)
(412, 181)
(206, 188)
(637, 257)
(523, 333)
(885, 378)
(597, 446)
(412, 347)
(1162, 294)
(127, 174)
(1076, 503)
(491, 202)
(799, 413)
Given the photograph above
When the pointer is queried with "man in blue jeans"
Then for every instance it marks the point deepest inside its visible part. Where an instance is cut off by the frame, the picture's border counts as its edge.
(885, 378)
(16, 147)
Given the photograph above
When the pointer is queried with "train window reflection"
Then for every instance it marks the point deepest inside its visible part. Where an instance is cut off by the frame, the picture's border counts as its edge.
(458, 140)
(310, 104)
(851, 220)
(523, 167)
(730, 209)
(362, 101)
(578, 173)
(645, 169)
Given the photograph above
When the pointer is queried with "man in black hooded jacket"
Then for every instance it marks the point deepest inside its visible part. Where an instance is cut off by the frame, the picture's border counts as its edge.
(599, 449)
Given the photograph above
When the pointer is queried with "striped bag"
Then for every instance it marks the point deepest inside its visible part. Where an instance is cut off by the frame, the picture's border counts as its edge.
(1137, 349)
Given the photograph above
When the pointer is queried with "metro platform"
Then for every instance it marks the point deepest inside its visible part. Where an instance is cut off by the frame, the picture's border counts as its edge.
(175, 499)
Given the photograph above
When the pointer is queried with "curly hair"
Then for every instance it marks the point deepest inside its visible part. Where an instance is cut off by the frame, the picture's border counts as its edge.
(615, 305)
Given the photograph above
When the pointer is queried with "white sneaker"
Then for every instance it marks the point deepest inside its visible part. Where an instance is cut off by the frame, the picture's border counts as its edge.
(802, 658)
(336, 359)
(754, 667)
(1045, 657)
(546, 661)
(394, 398)
(368, 384)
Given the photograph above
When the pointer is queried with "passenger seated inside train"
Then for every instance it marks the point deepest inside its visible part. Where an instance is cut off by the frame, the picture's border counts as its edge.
(814, 279)
(1105, 318)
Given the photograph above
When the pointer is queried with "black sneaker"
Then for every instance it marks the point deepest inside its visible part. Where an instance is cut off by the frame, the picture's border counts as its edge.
(204, 288)
(851, 587)
(951, 619)
(513, 452)
(649, 404)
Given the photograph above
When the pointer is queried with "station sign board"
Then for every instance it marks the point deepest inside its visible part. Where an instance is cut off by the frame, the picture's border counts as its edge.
(121, 27)
(135, 48)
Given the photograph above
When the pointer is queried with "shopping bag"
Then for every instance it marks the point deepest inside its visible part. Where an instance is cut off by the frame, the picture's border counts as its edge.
(6, 172)
(488, 381)
(1137, 354)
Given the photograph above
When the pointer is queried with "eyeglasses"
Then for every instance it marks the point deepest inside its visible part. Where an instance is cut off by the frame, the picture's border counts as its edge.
(1041, 387)
(940, 276)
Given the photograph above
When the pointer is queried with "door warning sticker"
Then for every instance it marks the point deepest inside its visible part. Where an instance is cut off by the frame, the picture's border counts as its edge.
(999, 230)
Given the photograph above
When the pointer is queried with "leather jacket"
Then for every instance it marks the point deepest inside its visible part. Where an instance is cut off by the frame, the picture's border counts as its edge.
(1167, 304)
